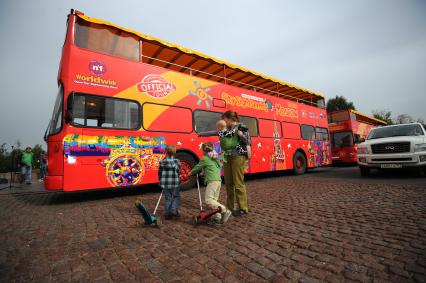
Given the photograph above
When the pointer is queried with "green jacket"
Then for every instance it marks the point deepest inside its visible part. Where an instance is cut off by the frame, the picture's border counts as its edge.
(211, 169)
(27, 158)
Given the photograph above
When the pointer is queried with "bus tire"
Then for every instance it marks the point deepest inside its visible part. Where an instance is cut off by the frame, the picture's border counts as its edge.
(299, 163)
(187, 163)
(365, 171)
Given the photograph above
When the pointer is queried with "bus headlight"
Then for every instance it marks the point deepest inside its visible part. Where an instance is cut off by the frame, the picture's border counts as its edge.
(362, 150)
(420, 147)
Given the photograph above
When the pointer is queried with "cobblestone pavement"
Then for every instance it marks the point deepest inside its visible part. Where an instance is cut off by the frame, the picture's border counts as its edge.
(298, 230)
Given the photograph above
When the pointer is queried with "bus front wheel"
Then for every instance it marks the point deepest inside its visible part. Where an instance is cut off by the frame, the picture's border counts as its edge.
(299, 163)
(187, 162)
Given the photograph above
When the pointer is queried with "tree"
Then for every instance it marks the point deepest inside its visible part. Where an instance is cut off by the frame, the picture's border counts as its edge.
(403, 119)
(37, 150)
(384, 115)
(339, 103)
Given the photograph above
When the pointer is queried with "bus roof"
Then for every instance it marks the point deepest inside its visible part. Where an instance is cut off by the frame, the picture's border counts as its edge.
(172, 56)
(361, 117)
(368, 119)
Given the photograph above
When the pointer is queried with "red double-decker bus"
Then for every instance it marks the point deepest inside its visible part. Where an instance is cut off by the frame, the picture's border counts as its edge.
(124, 95)
(348, 128)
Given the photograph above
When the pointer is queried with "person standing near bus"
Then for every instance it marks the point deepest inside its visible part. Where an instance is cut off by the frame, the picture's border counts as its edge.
(27, 164)
(43, 166)
(234, 166)
(168, 176)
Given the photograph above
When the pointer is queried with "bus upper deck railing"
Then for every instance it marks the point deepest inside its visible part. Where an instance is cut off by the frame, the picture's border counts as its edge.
(255, 88)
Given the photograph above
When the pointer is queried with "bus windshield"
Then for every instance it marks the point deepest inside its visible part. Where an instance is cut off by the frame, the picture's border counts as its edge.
(396, 131)
(342, 139)
(55, 123)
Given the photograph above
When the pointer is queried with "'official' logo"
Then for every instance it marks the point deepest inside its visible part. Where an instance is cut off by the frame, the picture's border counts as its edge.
(156, 86)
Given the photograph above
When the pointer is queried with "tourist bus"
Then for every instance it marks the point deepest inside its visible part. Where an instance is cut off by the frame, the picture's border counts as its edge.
(348, 128)
(123, 95)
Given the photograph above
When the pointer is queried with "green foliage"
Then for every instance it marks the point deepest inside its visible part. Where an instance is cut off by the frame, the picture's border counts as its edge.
(384, 115)
(404, 118)
(339, 103)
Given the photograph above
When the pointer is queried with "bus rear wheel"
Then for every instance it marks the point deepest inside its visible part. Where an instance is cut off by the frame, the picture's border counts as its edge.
(299, 163)
(187, 162)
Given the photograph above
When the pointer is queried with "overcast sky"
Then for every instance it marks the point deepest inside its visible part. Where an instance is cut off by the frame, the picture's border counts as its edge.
(373, 52)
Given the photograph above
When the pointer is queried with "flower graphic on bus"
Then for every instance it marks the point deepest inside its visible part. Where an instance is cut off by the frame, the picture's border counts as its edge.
(202, 94)
(124, 169)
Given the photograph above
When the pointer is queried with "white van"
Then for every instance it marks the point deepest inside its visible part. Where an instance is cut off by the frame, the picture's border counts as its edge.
(395, 146)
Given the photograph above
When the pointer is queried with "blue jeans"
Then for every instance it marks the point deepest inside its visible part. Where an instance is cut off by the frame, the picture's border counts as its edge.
(172, 200)
(26, 173)
(43, 171)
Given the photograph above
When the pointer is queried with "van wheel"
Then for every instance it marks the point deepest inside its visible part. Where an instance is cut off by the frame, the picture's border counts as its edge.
(187, 162)
(299, 163)
(365, 171)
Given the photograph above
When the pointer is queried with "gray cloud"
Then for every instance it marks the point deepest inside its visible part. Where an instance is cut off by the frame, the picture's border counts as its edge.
(372, 52)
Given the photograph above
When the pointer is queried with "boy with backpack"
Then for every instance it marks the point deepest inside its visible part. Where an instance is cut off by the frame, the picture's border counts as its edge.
(211, 166)
(168, 176)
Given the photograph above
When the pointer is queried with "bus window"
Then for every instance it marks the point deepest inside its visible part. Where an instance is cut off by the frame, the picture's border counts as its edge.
(109, 40)
(206, 120)
(166, 118)
(342, 139)
(290, 130)
(251, 124)
(269, 128)
(321, 134)
(308, 132)
(105, 112)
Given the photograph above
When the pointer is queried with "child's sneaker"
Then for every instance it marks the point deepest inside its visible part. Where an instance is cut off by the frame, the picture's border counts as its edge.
(226, 215)
(175, 213)
(213, 222)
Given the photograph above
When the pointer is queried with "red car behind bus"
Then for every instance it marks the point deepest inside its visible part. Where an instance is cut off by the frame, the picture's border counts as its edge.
(348, 128)
(124, 95)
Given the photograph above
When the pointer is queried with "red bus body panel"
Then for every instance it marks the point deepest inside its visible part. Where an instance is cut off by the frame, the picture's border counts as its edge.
(86, 158)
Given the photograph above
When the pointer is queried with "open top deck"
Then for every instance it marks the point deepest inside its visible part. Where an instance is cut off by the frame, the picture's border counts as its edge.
(346, 115)
(157, 52)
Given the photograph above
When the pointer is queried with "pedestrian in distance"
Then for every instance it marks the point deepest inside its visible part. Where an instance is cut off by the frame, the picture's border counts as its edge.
(27, 160)
(168, 176)
(210, 165)
(43, 166)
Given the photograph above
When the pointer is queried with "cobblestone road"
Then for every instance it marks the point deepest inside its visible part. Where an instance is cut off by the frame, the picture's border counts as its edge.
(299, 229)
